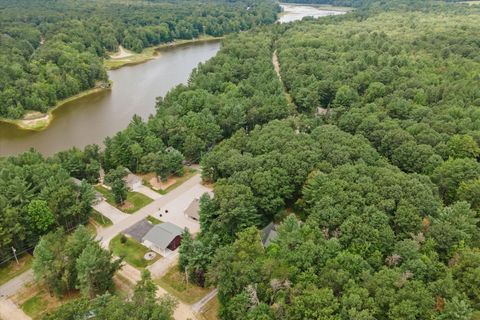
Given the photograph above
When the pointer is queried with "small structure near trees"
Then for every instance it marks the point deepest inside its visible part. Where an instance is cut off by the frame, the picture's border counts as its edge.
(193, 210)
(269, 233)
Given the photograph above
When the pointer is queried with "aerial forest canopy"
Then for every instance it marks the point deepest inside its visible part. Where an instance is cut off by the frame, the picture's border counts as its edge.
(51, 50)
(363, 150)
(380, 163)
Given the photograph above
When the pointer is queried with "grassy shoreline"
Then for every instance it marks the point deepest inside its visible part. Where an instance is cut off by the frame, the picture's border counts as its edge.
(151, 52)
(43, 120)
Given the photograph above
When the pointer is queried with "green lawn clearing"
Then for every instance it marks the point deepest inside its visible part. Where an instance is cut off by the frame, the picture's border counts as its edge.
(35, 306)
(174, 283)
(132, 251)
(12, 269)
(134, 201)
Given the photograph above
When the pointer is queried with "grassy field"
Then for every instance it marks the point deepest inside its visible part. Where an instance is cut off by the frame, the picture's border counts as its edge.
(210, 310)
(133, 202)
(154, 220)
(12, 269)
(132, 251)
(100, 219)
(174, 283)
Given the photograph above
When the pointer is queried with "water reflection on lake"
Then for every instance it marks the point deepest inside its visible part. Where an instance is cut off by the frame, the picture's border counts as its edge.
(92, 118)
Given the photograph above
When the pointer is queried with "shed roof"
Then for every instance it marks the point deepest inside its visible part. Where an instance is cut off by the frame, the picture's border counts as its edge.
(193, 209)
(269, 233)
(162, 234)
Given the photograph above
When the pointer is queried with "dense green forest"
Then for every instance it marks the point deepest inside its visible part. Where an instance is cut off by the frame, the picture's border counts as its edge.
(382, 169)
(36, 196)
(370, 171)
(51, 50)
(236, 89)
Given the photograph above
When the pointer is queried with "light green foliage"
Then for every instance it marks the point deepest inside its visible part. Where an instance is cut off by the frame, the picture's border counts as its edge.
(48, 263)
(119, 188)
(456, 309)
(40, 217)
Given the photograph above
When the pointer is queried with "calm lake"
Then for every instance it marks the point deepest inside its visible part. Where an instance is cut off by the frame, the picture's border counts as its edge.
(94, 117)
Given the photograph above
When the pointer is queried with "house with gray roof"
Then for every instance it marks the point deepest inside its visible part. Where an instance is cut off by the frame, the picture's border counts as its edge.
(163, 238)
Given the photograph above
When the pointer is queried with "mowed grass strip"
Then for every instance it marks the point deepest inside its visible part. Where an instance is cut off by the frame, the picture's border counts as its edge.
(100, 219)
(174, 283)
(35, 300)
(132, 251)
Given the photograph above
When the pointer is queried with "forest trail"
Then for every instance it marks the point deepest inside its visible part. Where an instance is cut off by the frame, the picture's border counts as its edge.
(121, 53)
(276, 67)
(276, 64)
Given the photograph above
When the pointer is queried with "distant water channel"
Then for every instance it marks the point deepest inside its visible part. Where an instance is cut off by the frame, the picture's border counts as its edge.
(293, 12)
(94, 117)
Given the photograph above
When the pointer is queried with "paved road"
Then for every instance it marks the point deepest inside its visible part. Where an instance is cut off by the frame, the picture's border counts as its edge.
(106, 234)
(13, 286)
(10, 311)
(176, 209)
(148, 192)
(110, 211)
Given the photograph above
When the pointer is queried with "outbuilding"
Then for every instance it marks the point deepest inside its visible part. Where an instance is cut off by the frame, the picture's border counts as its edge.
(193, 210)
(269, 233)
